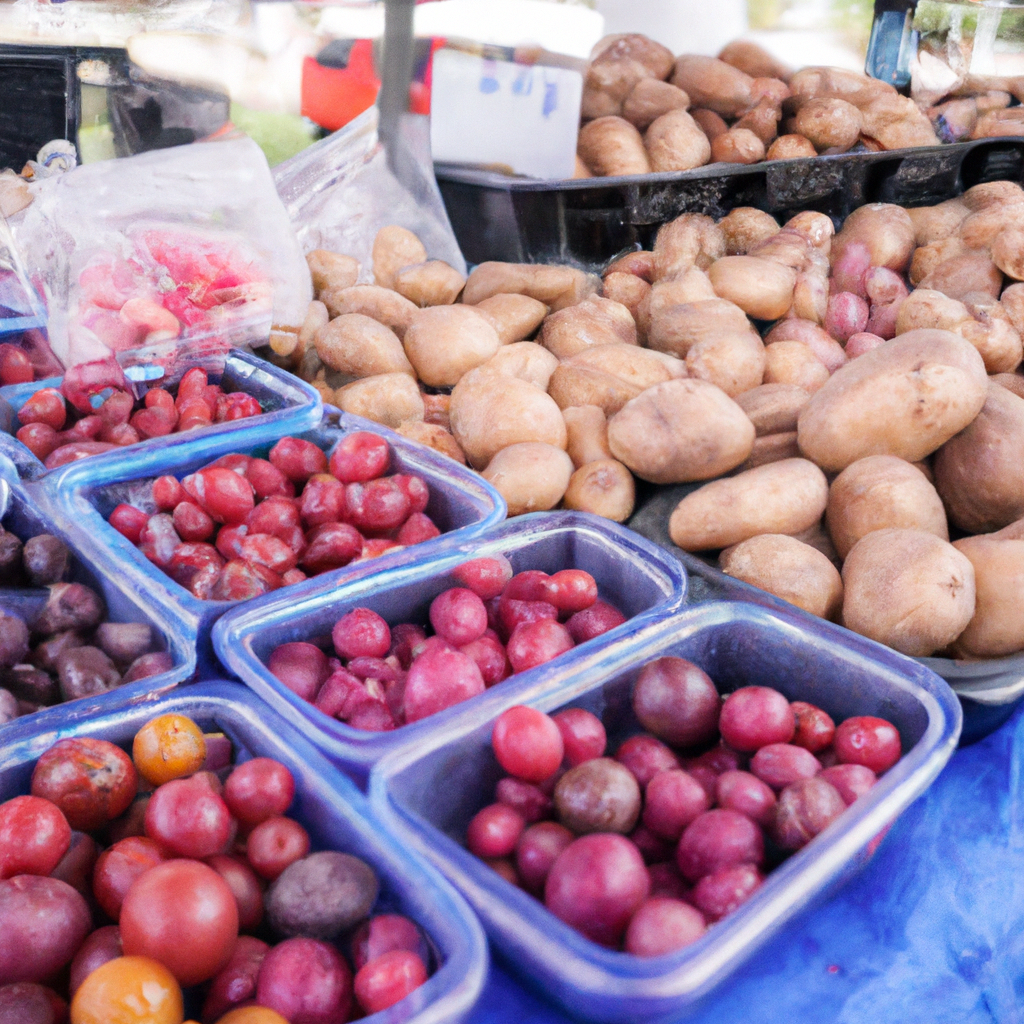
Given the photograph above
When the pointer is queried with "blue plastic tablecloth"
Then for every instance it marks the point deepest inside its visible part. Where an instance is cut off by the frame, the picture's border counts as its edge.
(931, 932)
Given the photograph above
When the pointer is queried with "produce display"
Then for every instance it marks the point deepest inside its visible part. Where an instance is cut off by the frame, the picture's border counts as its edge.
(492, 626)
(644, 850)
(72, 422)
(67, 649)
(243, 526)
(136, 884)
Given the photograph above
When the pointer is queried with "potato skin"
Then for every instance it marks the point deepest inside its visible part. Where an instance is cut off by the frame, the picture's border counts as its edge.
(787, 568)
(604, 488)
(433, 283)
(761, 288)
(773, 408)
(734, 362)
(594, 322)
(526, 360)
(737, 146)
(680, 431)
(433, 436)
(555, 286)
(675, 142)
(772, 448)
(878, 493)
(782, 497)
(627, 289)
(331, 270)
(445, 342)
(979, 473)
(649, 100)
(997, 628)
(573, 384)
(359, 346)
(388, 398)
(961, 275)
(395, 248)
(744, 227)
(691, 240)
(754, 60)
(607, 85)
(792, 362)
(909, 590)
(514, 317)
(490, 411)
(887, 232)
(611, 146)
(713, 84)
(658, 59)
(530, 476)
(587, 434)
(829, 123)
(790, 147)
(382, 304)
(905, 398)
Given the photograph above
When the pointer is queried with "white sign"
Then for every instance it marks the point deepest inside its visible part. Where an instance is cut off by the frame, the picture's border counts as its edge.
(492, 112)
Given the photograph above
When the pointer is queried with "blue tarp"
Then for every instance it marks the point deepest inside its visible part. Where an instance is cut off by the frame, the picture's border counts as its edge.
(931, 932)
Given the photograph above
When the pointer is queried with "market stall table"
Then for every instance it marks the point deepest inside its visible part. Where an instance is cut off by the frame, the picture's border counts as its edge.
(930, 931)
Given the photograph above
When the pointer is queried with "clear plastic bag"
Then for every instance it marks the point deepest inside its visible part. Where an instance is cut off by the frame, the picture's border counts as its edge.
(178, 251)
(341, 191)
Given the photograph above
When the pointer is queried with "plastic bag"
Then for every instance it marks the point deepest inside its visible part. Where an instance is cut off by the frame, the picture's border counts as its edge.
(340, 192)
(182, 251)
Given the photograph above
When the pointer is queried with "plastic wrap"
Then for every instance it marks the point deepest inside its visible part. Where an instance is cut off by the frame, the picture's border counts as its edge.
(183, 251)
(341, 191)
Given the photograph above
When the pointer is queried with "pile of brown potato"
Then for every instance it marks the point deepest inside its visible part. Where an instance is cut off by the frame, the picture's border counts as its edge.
(645, 110)
(871, 422)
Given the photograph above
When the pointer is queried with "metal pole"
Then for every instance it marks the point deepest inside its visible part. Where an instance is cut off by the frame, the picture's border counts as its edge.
(396, 75)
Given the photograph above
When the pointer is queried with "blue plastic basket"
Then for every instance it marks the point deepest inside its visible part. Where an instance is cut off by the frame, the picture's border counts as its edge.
(330, 808)
(290, 406)
(630, 572)
(26, 520)
(461, 503)
(429, 792)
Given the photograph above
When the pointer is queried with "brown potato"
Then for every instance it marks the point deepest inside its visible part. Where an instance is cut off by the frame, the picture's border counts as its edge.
(587, 432)
(996, 123)
(675, 142)
(641, 264)
(791, 249)
(388, 398)
(734, 362)
(604, 488)
(979, 473)
(927, 257)
(825, 348)
(763, 121)
(1012, 301)
(997, 627)
(991, 193)
(530, 476)
(658, 59)
(710, 123)
(594, 322)
(680, 431)
(886, 230)
(782, 497)
(927, 308)
(316, 317)
(1011, 381)
(572, 385)
(773, 408)
(627, 362)
(761, 288)
(526, 360)
(331, 270)
(745, 226)
(790, 147)
(433, 283)
(490, 411)
(606, 86)
(445, 342)
(649, 100)
(959, 276)
(908, 589)
(1008, 251)
(627, 289)
(992, 334)
(514, 317)
(692, 285)
(979, 230)
(691, 240)
(435, 410)
(897, 123)
(612, 146)
(395, 248)
(754, 60)
(830, 123)
(817, 228)
(676, 329)
(934, 223)
(789, 569)
(878, 493)
(773, 448)
(736, 146)
(791, 362)
(433, 436)
(381, 304)
(555, 286)
(857, 88)
(713, 84)
(359, 346)
(905, 398)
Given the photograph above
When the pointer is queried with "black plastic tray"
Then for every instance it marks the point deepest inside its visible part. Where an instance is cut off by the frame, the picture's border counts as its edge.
(988, 691)
(585, 222)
